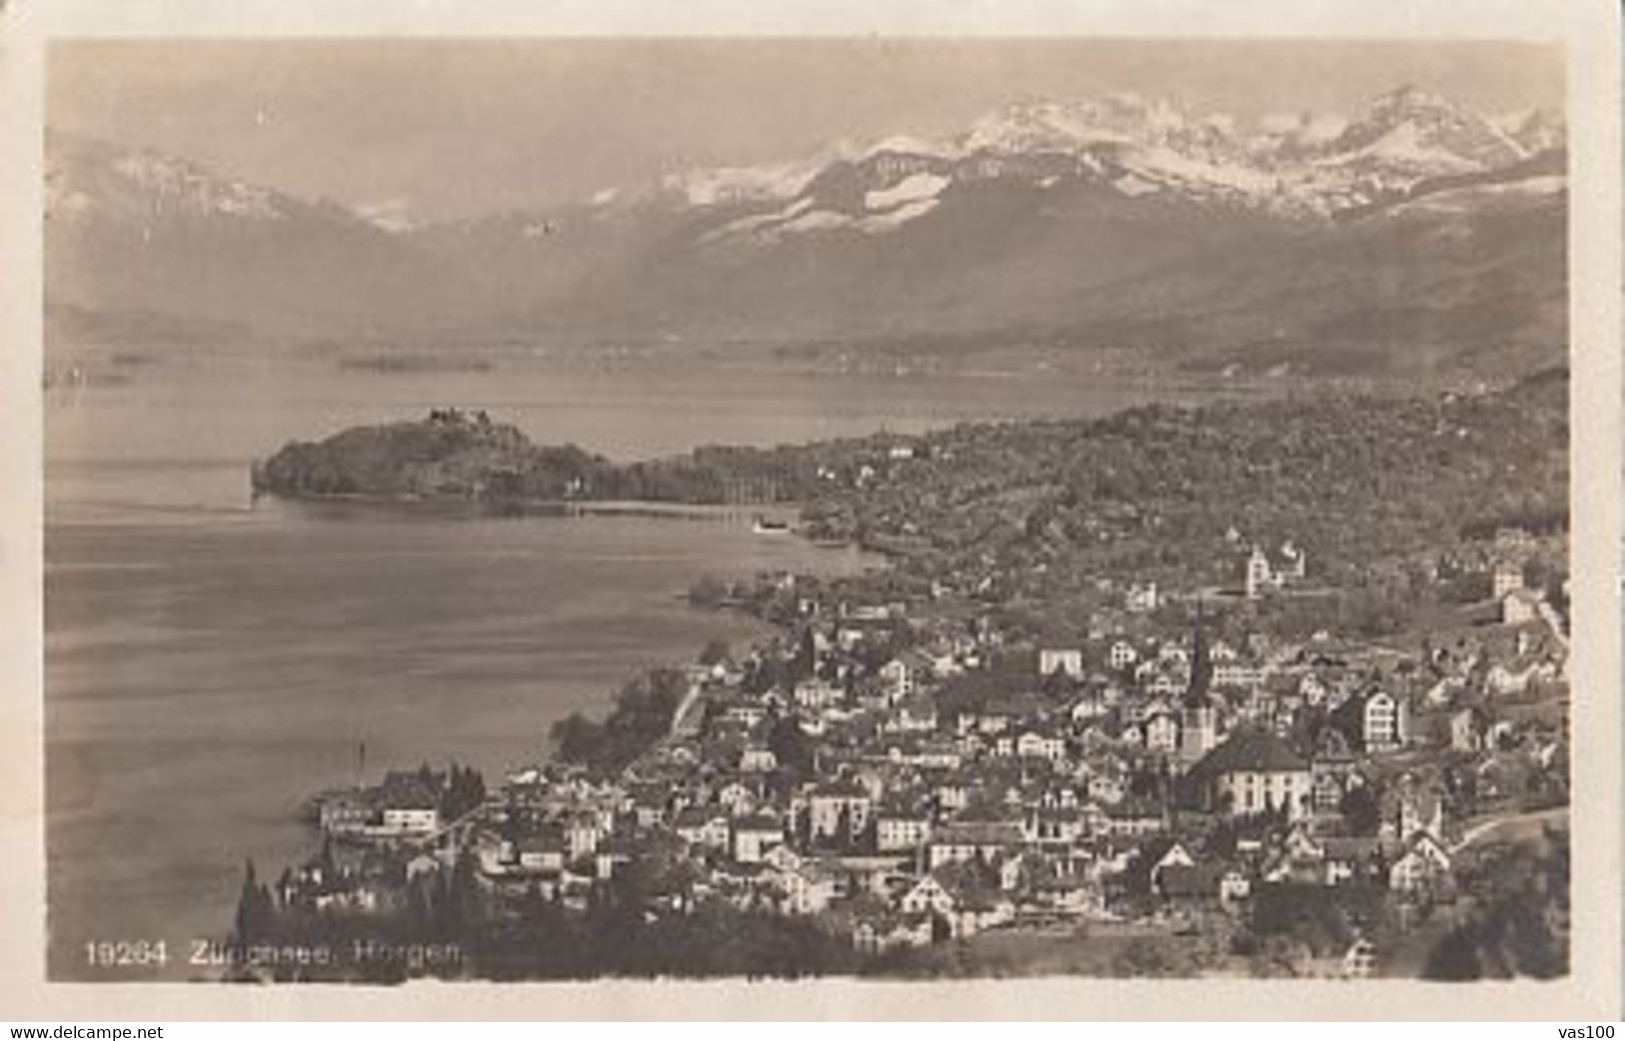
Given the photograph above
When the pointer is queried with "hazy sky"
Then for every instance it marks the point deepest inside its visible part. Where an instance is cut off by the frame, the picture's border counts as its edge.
(451, 129)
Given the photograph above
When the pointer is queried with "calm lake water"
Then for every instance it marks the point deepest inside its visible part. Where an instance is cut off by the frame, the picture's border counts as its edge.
(211, 663)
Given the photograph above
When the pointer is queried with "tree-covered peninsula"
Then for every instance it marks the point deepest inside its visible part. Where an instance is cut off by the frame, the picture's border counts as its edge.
(457, 455)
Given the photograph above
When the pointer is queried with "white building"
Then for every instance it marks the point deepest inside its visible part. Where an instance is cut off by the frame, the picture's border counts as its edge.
(1508, 577)
(1067, 661)
(1254, 771)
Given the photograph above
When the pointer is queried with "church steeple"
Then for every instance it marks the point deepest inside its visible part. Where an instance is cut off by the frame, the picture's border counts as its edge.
(1198, 721)
(1196, 695)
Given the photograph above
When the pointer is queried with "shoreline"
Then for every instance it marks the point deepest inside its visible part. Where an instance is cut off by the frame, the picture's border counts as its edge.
(790, 511)
(704, 548)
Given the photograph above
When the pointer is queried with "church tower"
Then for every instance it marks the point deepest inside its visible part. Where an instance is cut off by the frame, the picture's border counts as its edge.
(1199, 726)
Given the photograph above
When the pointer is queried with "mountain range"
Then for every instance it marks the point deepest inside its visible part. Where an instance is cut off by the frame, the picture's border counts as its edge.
(1414, 236)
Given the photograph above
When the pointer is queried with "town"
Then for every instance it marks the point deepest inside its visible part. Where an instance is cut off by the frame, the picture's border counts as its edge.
(1268, 688)
(1169, 787)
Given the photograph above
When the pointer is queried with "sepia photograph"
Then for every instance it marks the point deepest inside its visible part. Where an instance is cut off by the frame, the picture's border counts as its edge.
(914, 509)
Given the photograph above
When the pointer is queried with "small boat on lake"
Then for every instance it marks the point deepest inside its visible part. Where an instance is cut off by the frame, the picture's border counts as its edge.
(768, 526)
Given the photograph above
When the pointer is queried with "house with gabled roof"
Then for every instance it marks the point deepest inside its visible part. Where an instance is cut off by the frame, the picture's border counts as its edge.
(706, 827)
(808, 888)
(1468, 727)
(1055, 825)
(1190, 885)
(349, 811)
(1132, 817)
(649, 802)
(879, 931)
(1122, 654)
(753, 835)
(1349, 859)
(783, 858)
(408, 804)
(615, 852)
(915, 713)
(838, 805)
(927, 896)
(1266, 572)
(1424, 864)
(961, 841)
(1413, 805)
(1161, 728)
(739, 795)
(966, 895)
(1040, 744)
(1374, 720)
(757, 757)
(1174, 854)
(582, 833)
(541, 853)
(901, 826)
(901, 676)
(1519, 606)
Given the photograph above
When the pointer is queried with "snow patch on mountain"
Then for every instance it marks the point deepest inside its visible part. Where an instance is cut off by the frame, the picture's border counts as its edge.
(906, 144)
(1549, 184)
(1470, 198)
(896, 207)
(725, 184)
(1431, 129)
(1301, 128)
(1535, 130)
(817, 220)
(759, 223)
(1164, 163)
(910, 189)
(1406, 147)
(173, 184)
(1133, 184)
(393, 215)
(1072, 127)
(891, 220)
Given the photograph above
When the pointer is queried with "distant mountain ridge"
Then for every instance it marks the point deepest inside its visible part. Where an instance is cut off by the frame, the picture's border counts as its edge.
(1293, 164)
(1037, 221)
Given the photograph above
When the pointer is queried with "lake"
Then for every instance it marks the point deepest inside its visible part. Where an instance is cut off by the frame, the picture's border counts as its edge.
(210, 663)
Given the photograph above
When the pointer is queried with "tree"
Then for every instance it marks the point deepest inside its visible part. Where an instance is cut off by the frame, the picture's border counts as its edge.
(843, 827)
(324, 859)
(1454, 958)
(255, 909)
(1519, 926)
(715, 652)
(457, 904)
(1359, 807)
(576, 737)
(790, 746)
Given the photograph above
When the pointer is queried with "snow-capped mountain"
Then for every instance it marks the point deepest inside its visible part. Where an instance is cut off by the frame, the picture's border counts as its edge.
(132, 230)
(1411, 133)
(1296, 165)
(1044, 215)
(88, 180)
(1536, 130)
